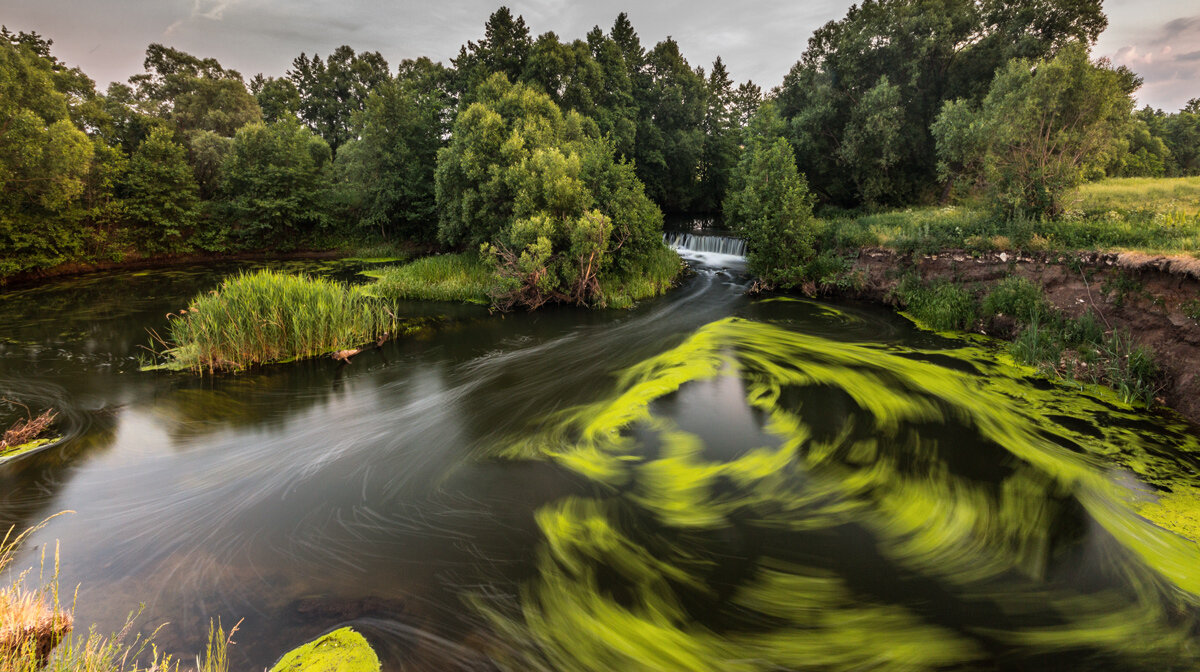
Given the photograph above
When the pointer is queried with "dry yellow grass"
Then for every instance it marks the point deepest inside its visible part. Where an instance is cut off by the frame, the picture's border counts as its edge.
(29, 628)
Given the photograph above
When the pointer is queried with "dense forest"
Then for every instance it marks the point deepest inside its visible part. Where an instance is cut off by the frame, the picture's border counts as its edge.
(543, 151)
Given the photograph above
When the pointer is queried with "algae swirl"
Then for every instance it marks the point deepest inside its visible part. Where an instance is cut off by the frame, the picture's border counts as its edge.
(907, 509)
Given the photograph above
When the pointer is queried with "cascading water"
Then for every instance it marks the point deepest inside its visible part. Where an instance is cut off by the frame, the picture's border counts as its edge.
(691, 242)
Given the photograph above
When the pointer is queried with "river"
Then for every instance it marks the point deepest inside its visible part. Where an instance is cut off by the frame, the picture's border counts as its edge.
(708, 481)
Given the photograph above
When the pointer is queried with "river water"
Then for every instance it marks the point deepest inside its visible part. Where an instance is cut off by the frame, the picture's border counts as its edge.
(709, 481)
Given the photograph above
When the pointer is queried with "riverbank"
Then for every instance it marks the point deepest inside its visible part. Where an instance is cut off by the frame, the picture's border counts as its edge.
(1156, 298)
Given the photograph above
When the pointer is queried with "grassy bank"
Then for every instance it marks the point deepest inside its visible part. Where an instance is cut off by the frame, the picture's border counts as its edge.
(1157, 215)
(462, 278)
(267, 316)
(1079, 349)
(466, 278)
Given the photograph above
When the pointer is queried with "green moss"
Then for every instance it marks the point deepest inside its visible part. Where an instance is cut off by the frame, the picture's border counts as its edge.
(342, 650)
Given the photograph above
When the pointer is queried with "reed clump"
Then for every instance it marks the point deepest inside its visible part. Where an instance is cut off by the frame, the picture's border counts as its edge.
(460, 278)
(268, 316)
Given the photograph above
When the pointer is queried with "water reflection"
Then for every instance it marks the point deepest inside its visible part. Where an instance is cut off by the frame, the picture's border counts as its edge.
(801, 487)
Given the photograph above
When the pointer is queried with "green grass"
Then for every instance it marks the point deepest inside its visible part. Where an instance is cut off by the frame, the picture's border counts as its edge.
(1017, 298)
(268, 316)
(447, 277)
(662, 267)
(1156, 215)
(939, 305)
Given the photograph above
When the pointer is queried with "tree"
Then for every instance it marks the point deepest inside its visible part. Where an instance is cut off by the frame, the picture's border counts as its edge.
(721, 131)
(504, 48)
(1041, 127)
(929, 51)
(543, 194)
(333, 90)
(44, 163)
(193, 94)
(391, 167)
(277, 97)
(769, 204)
(671, 102)
(160, 193)
(275, 185)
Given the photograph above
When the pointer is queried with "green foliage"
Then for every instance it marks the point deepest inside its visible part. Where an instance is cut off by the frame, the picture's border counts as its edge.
(1038, 345)
(671, 99)
(333, 90)
(1041, 128)
(1017, 298)
(391, 167)
(275, 185)
(268, 316)
(460, 277)
(940, 305)
(44, 163)
(160, 191)
(194, 94)
(543, 195)
(770, 206)
(862, 98)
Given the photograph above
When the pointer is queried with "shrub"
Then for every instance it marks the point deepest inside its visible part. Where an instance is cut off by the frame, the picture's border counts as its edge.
(1017, 298)
(940, 305)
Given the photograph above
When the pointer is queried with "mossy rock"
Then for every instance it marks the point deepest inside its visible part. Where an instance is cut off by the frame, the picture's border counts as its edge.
(342, 650)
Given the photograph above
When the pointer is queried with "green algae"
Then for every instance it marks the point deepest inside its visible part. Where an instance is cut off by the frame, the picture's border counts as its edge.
(342, 650)
(606, 596)
(26, 448)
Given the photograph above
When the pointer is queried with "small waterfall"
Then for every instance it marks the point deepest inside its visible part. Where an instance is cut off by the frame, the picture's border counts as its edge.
(713, 244)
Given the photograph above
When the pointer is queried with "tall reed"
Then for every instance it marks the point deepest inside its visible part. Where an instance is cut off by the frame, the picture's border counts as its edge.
(268, 316)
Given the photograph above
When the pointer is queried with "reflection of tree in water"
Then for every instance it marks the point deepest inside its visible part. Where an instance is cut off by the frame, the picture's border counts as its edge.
(905, 516)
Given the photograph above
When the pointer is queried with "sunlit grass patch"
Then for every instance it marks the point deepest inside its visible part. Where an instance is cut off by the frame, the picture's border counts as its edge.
(267, 316)
(447, 277)
(1176, 194)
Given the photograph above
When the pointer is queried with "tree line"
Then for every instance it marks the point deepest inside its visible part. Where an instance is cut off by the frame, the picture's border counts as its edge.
(546, 151)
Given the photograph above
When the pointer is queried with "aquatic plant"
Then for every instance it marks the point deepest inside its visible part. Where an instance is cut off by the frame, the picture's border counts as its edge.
(445, 277)
(610, 595)
(343, 650)
(268, 316)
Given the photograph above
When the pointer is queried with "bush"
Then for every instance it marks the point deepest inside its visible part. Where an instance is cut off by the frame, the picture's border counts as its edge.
(1017, 298)
(940, 305)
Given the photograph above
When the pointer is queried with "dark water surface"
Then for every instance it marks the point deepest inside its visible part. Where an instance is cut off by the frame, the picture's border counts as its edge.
(706, 482)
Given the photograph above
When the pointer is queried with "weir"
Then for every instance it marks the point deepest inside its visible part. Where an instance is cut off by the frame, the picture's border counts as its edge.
(701, 243)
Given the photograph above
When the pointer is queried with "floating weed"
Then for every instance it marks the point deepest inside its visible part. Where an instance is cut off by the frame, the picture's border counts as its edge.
(607, 595)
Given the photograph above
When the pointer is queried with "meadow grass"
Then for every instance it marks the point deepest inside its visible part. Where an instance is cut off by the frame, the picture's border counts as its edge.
(459, 277)
(268, 316)
(1156, 215)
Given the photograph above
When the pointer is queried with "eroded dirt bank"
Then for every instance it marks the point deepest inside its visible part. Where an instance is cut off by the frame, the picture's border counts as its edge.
(1156, 298)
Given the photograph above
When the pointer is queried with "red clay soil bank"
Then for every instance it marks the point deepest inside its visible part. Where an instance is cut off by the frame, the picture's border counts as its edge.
(1152, 305)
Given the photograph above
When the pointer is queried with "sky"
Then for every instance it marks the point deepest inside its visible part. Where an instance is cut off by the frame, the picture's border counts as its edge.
(757, 39)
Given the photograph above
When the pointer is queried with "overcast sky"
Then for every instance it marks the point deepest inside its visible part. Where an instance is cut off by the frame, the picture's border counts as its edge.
(758, 39)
